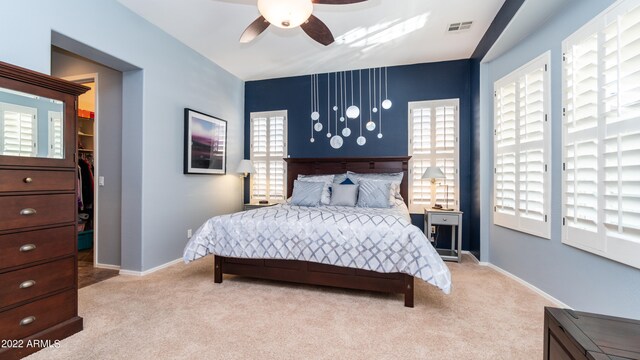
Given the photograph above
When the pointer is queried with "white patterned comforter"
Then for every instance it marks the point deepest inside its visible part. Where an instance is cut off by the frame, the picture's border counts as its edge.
(382, 240)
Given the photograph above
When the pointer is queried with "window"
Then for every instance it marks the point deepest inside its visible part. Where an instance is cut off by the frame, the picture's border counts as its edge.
(521, 149)
(18, 130)
(601, 135)
(268, 150)
(433, 141)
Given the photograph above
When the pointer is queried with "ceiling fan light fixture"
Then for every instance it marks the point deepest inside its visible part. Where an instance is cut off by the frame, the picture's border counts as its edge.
(285, 13)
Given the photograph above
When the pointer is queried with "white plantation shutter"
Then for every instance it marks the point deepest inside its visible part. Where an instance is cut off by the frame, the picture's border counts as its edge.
(268, 149)
(56, 146)
(532, 170)
(521, 149)
(601, 135)
(18, 125)
(433, 141)
(505, 138)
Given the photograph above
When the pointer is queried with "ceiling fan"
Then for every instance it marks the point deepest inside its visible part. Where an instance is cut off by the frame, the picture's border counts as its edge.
(288, 14)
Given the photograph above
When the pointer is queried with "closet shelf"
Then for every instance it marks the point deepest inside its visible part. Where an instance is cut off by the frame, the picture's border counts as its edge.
(85, 150)
(83, 134)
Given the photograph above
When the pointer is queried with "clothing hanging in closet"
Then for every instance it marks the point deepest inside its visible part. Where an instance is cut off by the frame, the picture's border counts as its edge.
(85, 184)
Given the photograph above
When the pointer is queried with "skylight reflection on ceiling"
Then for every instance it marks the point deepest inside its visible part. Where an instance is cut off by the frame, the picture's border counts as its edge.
(369, 38)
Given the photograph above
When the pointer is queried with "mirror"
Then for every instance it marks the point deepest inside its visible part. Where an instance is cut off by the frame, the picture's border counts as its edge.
(30, 125)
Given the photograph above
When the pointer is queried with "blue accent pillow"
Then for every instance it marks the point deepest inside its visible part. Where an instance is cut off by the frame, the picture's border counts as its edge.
(374, 194)
(347, 181)
(306, 193)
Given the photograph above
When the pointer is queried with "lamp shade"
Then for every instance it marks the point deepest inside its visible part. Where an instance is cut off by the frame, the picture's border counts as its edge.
(285, 13)
(433, 172)
(245, 167)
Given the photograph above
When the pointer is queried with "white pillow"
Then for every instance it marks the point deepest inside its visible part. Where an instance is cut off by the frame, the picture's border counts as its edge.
(326, 179)
(339, 178)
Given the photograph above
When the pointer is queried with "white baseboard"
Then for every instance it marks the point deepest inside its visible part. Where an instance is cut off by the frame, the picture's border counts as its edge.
(527, 284)
(147, 272)
(107, 266)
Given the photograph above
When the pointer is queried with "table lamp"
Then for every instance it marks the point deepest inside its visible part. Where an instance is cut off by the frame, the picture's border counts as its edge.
(433, 173)
(245, 167)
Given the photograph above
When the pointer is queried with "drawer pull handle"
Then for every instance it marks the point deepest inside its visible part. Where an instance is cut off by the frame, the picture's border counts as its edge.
(28, 320)
(27, 247)
(444, 219)
(27, 180)
(28, 211)
(27, 284)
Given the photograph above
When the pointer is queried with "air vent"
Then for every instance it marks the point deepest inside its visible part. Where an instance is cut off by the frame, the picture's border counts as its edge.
(460, 26)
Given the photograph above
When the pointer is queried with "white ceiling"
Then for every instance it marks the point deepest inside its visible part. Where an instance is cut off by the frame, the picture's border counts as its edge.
(369, 34)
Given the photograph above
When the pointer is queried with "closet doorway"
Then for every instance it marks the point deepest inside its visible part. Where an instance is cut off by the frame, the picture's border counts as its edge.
(99, 124)
(88, 184)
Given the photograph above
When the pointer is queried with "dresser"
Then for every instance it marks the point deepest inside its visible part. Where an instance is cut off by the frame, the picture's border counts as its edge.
(575, 335)
(38, 211)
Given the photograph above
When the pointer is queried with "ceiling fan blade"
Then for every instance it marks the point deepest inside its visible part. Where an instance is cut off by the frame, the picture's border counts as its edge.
(317, 30)
(256, 28)
(337, 2)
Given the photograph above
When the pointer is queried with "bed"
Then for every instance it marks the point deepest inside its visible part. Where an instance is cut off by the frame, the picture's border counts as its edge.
(327, 245)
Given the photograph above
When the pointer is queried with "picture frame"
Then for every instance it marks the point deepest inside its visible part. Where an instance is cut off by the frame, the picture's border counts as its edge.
(205, 143)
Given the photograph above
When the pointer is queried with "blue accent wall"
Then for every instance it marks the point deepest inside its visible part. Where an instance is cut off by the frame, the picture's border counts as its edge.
(407, 83)
(474, 216)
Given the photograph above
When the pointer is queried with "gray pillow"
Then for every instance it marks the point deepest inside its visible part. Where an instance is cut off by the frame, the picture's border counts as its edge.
(326, 179)
(306, 193)
(394, 178)
(344, 195)
(374, 193)
(339, 178)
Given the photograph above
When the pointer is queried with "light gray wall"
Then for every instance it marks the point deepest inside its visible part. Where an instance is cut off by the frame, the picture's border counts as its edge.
(580, 279)
(109, 155)
(159, 202)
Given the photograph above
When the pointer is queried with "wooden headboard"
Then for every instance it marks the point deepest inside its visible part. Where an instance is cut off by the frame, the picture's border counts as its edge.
(323, 166)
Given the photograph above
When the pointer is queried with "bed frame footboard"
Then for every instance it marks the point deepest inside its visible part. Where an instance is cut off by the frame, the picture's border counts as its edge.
(304, 272)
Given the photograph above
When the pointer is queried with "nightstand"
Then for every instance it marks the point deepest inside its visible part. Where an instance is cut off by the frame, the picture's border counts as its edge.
(256, 206)
(433, 217)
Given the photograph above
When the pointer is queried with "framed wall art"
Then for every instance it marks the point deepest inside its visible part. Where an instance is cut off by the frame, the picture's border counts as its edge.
(205, 143)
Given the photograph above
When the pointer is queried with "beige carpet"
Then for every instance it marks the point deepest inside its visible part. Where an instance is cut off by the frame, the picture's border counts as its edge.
(179, 313)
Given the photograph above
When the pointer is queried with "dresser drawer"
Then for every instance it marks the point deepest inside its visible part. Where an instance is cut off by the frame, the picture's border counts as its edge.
(37, 180)
(31, 318)
(438, 219)
(30, 246)
(24, 284)
(34, 210)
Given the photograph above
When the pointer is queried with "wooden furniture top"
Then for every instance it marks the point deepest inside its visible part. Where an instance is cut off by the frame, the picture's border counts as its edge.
(600, 334)
(35, 78)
